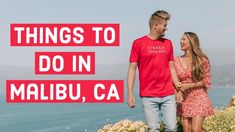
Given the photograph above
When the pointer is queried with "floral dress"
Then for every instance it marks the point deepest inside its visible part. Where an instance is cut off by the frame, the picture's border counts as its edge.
(196, 101)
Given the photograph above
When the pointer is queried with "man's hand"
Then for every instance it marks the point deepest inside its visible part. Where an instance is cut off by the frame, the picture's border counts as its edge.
(131, 101)
(179, 97)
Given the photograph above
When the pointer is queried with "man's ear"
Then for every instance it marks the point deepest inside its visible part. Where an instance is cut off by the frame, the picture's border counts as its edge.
(155, 26)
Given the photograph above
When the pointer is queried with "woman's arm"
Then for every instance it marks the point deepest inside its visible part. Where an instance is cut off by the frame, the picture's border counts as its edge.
(205, 82)
(186, 86)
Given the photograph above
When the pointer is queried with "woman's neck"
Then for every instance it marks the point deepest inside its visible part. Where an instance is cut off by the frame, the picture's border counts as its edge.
(188, 54)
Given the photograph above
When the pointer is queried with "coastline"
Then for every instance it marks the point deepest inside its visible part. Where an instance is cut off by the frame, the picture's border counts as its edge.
(223, 120)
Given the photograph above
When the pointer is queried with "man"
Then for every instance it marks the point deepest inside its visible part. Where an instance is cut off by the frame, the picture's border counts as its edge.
(153, 55)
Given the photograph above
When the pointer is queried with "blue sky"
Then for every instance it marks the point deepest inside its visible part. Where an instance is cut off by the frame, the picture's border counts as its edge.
(213, 21)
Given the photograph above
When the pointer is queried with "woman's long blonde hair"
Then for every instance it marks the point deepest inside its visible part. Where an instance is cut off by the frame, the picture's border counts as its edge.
(197, 55)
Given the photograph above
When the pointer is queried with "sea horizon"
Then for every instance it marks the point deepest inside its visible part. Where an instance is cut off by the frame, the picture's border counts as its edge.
(80, 117)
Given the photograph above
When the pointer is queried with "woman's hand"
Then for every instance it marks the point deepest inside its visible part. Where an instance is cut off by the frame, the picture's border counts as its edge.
(178, 85)
(186, 86)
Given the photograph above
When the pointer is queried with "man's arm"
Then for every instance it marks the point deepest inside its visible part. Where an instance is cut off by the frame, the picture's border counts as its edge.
(175, 78)
(130, 83)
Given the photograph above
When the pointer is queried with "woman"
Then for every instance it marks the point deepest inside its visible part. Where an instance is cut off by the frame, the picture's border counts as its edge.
(193, 70)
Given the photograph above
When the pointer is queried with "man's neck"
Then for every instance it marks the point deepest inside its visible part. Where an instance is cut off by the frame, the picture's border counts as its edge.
(154, 36)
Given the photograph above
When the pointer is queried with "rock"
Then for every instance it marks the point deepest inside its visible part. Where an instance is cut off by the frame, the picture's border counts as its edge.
(231, 102)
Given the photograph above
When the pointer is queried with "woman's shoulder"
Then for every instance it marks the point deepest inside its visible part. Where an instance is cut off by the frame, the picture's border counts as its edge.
(178, 58)
(205, 60)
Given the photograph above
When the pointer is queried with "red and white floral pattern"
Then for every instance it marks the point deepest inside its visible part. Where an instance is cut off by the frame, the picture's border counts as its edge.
(196, 101)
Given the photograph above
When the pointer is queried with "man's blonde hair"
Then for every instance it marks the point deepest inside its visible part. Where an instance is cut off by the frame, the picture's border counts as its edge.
(158, 17)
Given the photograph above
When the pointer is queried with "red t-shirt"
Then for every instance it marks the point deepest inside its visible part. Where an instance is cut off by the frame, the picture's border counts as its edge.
(152, 57)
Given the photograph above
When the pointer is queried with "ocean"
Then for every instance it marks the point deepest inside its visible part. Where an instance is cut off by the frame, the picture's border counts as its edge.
(79, 117)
